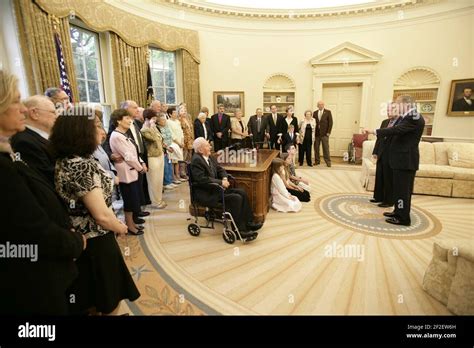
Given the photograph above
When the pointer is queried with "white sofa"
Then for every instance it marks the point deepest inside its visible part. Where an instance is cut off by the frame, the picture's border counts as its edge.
(446, 169)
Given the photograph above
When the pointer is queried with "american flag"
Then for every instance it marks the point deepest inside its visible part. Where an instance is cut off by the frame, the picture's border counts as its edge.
(62, 67)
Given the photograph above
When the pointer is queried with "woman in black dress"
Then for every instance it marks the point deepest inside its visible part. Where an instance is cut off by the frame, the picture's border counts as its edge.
(31, 215)
(307, 135)
(104, 279)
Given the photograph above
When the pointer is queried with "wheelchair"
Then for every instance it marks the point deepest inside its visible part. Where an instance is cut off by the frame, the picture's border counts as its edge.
(213, 214)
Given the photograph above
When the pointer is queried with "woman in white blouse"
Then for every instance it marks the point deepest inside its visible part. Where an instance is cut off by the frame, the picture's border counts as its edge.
(176, 156)
(282, 200)
(307, 136)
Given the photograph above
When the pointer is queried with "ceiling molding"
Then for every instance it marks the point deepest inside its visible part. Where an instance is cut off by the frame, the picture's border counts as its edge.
(297, 14)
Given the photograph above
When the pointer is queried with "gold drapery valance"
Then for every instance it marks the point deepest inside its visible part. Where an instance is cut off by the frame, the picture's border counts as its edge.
(36, 33)
(130, 68)
(134, 30)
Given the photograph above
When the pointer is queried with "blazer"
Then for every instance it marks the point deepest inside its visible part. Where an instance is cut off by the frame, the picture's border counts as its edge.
(223, 127)
(235, 125)
(462, 105)
(199, 130)
(287, 139)
(294, 122)
(34, 150)
(324, 126)
(153, 141)
(128, 169)
(203, 174)
(35, 215)
(380, 142)
(275, 128)
(406, 136)
(302, 129)
(252, 126)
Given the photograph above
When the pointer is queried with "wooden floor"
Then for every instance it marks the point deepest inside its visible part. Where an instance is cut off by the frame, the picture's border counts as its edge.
(285, 271)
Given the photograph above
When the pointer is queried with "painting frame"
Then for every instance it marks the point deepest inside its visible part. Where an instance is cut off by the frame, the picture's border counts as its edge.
(456, 94)
(236, 99)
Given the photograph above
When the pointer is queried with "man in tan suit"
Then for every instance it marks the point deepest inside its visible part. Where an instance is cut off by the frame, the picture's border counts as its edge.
(323, 131)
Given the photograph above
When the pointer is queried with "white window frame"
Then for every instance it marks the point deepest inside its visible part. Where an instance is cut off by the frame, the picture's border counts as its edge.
(151, 48)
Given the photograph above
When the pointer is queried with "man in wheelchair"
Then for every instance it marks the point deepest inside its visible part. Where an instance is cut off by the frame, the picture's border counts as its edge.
(206, 171)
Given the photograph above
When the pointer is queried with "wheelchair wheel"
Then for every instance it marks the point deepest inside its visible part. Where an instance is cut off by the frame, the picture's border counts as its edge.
(194, 230)
(229, 236)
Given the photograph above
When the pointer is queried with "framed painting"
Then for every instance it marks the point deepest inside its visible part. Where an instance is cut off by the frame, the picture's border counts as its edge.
(231, 101)
(461, 102)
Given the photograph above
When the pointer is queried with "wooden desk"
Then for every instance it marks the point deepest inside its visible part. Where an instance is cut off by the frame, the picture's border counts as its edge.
(255, 180)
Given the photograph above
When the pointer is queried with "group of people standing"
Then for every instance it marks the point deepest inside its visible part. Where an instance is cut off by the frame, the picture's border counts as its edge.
(59, 211)
(279, 131)
(397, 155)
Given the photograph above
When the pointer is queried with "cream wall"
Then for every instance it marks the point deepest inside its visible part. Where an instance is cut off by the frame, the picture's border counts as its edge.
(433, 44)
(428, 34)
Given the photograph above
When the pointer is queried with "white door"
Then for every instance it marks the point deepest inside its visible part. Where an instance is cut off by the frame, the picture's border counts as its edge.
(344, 102)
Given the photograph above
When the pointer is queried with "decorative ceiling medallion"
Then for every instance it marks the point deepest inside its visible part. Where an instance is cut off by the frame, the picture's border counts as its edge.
(368, 8)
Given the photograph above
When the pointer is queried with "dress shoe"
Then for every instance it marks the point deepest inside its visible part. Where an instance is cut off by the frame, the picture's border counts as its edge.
(396, 221)
(328, 164)
(138, 221)
(140, 227)
(374, 201)
(254, 226)
(384, 205)
(389, 214)
(310, 165)
(138, 233)
(143, 213)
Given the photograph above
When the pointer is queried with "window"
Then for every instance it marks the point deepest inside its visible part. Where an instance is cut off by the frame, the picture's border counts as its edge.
(86, 55)
(163, 75)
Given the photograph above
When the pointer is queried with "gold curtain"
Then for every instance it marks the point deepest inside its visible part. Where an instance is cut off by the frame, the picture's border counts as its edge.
(191, 92)
(130, 68)
(36, 33)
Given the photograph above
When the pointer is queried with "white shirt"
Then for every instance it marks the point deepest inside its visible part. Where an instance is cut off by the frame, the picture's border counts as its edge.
(274, 118)
(39, 131)
(137, 138)
(320, 114)
(469, 101)
(205, 130)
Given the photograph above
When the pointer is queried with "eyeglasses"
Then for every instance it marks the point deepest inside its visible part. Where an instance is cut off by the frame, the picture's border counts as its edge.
(50, 111)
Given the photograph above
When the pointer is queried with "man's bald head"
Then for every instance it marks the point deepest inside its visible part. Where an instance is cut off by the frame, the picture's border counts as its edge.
(41, 113)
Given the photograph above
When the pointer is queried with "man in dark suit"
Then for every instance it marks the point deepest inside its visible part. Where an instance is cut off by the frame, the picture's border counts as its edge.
(383, 192)
(32, 144)
(205, 171)
(289, 138)
(404, 157)
(323, 131)
(465, 103)
(220, 125)
(202, 128)
(258, 128)
(275, 124)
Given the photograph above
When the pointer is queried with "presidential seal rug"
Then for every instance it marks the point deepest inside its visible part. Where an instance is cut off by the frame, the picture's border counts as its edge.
(355, 212)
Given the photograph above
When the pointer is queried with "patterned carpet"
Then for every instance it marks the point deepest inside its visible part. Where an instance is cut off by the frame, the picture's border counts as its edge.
(336, 256)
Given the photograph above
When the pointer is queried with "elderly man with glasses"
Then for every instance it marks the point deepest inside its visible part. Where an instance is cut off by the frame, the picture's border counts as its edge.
(32, 145)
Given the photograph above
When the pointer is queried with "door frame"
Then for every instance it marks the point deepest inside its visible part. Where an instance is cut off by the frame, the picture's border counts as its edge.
(366, 94)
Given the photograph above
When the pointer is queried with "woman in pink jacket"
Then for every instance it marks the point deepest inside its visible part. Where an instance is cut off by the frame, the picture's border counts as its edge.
(127, 171)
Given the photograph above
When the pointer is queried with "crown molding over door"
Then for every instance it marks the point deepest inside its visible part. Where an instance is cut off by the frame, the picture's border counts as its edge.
(346, 63)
